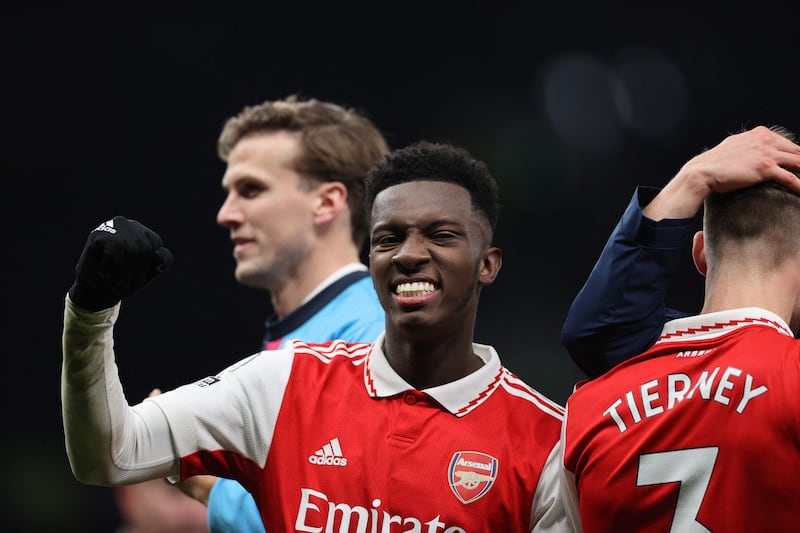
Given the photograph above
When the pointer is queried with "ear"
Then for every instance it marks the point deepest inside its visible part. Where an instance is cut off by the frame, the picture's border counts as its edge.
(491, 262)
(699, 252)
(330, 201)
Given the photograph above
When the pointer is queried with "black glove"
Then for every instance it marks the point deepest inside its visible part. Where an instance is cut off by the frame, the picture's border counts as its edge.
(120, 257)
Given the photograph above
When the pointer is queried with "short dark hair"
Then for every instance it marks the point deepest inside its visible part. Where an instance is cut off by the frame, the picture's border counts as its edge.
(767, 211)
(337, 144)
(428, 161)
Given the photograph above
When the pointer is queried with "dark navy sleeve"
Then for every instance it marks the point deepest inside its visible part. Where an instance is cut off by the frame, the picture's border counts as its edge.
(620, 311)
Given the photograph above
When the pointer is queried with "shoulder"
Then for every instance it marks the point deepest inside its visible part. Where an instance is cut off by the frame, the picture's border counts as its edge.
(519, 391)
(336, 364)
(362, 291)
(354, 315)
(329, 351)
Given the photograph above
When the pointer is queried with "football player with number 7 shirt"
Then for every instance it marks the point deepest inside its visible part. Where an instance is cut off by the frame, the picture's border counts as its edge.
(701, 432)
(423, 430)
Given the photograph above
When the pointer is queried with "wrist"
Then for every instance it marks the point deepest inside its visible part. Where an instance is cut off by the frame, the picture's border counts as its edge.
(88, 297)
(682, 197)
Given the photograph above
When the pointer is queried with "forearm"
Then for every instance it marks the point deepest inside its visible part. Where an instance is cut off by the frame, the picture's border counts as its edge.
(681, 198)
(107, 442)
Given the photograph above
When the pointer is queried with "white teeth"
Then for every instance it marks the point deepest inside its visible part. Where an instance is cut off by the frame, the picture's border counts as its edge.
(416, 288)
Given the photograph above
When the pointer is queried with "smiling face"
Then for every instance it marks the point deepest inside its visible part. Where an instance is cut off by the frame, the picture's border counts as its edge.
(269, 209)
(429, 256)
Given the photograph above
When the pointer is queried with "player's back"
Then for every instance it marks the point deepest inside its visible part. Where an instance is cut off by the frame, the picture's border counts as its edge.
(700, 433)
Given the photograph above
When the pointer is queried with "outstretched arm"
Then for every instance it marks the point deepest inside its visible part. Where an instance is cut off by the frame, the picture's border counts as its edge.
(620, 310)
(108, 442)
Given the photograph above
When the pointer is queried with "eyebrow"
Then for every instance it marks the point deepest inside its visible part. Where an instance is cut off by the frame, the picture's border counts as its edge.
(433, 224)
(228, 183)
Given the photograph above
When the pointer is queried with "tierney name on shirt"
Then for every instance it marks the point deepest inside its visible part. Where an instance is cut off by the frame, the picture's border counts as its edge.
(662, 394)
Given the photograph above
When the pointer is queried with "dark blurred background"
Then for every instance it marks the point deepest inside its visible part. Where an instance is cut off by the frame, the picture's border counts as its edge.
(117, 112)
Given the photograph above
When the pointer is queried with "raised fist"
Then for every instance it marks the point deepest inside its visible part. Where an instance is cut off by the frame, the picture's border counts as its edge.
(120, 257)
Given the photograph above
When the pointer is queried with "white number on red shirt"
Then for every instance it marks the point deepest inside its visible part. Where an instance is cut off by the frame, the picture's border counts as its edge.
(692, 469)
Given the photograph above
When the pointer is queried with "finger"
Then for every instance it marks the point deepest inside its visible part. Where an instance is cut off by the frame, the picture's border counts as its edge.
(786, 145)
(787, 160)
(784, 140)
(787, 178)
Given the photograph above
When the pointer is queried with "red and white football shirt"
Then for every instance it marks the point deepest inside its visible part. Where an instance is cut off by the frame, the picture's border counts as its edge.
(328, 438)
(699, 433)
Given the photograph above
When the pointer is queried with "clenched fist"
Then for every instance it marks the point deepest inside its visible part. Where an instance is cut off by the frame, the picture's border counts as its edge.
(120, 257)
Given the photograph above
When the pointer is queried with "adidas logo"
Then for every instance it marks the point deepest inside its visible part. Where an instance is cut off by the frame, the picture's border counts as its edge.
(329, 455)
(108, 226)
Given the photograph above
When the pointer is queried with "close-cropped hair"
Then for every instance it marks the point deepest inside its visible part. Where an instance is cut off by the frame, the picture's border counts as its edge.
(336, 144)
(768, 213)
(428, 161)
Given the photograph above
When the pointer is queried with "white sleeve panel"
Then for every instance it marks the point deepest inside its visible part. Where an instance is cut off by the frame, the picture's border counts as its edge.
(235, 410)
(107, 441)
(548, 514)
(569, 491)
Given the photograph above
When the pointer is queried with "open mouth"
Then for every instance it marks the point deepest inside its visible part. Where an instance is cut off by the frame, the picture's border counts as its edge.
(414, 288)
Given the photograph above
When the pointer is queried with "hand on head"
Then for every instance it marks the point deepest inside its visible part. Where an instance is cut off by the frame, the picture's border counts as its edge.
(741, 160)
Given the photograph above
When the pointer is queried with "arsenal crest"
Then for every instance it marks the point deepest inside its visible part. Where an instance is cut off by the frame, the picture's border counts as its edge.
(471, 475)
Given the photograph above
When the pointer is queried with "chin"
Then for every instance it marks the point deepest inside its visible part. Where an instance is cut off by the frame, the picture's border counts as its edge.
(411, 319)
(246, 278)
(256, 279)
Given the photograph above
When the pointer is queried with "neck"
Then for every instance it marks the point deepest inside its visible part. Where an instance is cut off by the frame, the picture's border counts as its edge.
(306, 277)
(426, 362)
(776, 290)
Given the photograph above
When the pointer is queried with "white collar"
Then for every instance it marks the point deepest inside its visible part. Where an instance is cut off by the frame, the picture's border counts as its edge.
(710, 325)
(459, 396)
